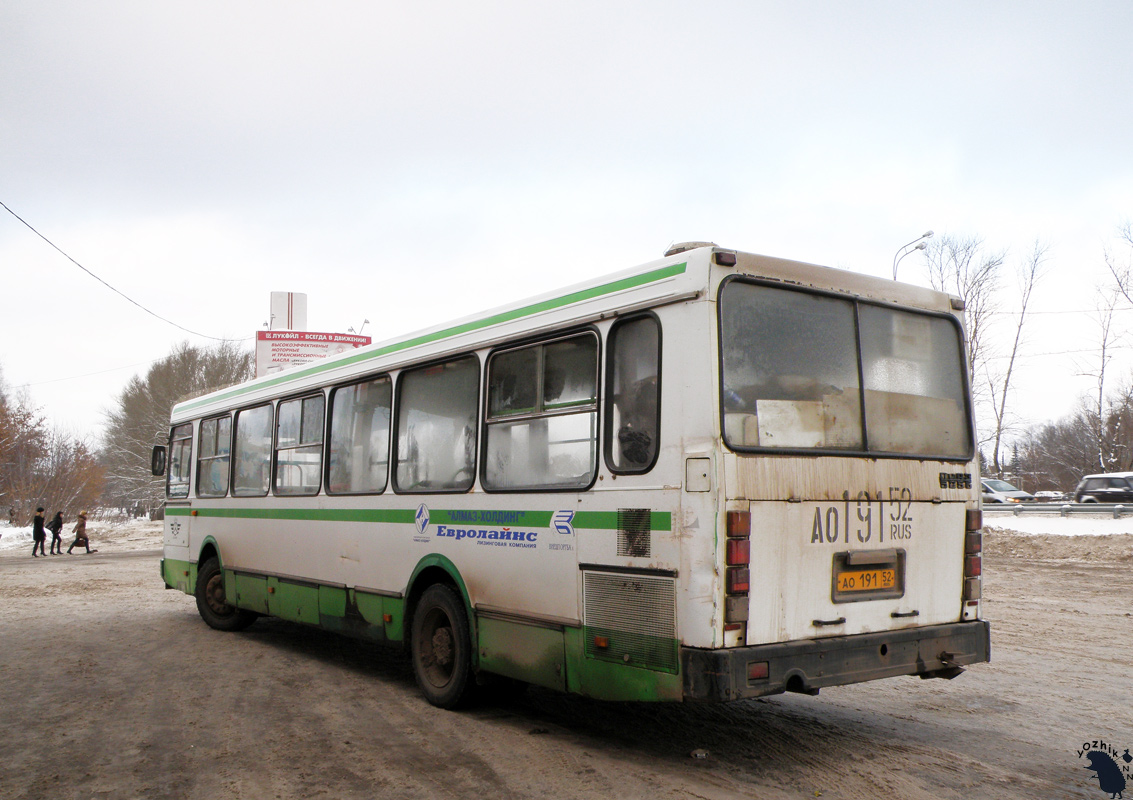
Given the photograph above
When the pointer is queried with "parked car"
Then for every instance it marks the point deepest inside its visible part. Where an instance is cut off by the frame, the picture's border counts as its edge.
(997, 491)
(1050, 496)
(1111, 487)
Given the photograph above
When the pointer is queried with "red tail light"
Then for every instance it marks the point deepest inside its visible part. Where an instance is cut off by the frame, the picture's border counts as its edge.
(737, 552)
(973, 566)
(739, 524)
(739, 580)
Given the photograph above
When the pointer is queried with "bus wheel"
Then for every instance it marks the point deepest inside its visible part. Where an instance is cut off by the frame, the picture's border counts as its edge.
(441, 648)
(211, 601)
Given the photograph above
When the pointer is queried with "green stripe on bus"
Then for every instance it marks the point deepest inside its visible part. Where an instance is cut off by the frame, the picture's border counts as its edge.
(588, 520)
(608, 520)
(505, 316)
(396, 515)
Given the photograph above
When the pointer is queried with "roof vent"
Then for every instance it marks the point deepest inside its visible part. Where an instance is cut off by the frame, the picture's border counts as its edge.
(683, 246)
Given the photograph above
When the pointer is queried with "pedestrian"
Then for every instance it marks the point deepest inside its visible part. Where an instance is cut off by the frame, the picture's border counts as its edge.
(56, 527)
(80, 531)
(38, 534)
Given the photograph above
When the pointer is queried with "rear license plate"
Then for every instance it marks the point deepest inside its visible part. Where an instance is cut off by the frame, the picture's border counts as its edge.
(881, 576)
(867, 580)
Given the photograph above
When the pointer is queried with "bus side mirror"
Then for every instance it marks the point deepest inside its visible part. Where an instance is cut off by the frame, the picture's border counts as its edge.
(157, 460)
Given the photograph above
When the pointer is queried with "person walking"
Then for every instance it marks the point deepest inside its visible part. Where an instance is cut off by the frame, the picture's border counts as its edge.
(56, 527)
(80, 531)
(38, 534)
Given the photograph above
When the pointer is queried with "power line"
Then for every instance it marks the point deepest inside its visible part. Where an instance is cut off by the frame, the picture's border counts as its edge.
(91, 374)
(108, 286)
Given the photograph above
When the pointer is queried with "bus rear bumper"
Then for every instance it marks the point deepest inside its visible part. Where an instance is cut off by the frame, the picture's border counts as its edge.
(935, 651)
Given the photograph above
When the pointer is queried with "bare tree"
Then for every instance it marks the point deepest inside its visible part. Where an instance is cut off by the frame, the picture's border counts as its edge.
(961, 267)
(1120, 263)
(141, 419)
(41, 465)
(1029, 273)
(1095, 411)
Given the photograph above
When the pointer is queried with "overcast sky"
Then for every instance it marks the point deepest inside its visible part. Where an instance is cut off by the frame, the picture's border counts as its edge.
(409, 163)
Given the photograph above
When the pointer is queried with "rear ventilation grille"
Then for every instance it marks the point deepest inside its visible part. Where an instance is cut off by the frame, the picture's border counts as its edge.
(634, 616)
(634, 539)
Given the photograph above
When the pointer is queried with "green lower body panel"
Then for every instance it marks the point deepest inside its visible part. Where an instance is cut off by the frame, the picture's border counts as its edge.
(532, 653)
(179, 575)
(362, 615)
(561, 658)
(609, 680)
(557, 658)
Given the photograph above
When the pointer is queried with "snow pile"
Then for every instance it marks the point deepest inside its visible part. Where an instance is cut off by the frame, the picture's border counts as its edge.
(1054, 525)
(105, 535)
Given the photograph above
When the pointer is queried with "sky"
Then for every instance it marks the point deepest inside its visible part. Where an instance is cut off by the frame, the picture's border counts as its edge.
(411, 163)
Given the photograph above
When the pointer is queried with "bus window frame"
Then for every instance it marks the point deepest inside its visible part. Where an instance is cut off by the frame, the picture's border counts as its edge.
(200, 440)
(329, 420)
(395, 420)
(856, 302)
(271, 403)
(192, 437)
(519, 344)
(606, 403)
(301, 397)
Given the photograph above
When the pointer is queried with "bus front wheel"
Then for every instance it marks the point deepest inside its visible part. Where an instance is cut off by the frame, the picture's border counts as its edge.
(212, 604)
(441, 648)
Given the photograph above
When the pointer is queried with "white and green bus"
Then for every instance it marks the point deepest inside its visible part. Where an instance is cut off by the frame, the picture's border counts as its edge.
(715, 476)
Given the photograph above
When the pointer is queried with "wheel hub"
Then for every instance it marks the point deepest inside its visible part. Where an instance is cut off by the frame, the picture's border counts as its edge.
(214, 595)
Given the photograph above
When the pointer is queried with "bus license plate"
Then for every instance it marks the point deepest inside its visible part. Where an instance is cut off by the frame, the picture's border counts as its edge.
(867, 580)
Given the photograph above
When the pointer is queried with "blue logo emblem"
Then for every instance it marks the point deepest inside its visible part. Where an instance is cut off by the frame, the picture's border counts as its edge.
(422, 518)
(561, 522)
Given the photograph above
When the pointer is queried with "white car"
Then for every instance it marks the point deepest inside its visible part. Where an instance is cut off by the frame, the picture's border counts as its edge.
(997, 491)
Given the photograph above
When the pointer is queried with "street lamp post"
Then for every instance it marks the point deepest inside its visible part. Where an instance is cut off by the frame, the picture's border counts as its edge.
(916, 244)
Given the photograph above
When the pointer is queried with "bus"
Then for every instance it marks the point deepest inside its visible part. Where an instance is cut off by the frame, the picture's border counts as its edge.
(712, 477)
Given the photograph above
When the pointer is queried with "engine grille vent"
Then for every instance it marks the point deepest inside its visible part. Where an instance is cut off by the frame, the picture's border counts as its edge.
(635, 616)
(634, 538)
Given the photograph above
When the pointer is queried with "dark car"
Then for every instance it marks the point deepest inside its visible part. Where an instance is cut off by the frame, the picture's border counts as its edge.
(997, 491)
(1113, 487)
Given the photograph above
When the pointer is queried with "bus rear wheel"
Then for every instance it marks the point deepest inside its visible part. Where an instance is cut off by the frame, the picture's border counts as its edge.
(442, 657)
(212, 604)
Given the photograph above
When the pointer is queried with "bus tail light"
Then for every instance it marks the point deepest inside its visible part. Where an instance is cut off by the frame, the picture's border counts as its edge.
(739, 580)
(973, 556)
(739, 524)
(758, 670)
(737, 552)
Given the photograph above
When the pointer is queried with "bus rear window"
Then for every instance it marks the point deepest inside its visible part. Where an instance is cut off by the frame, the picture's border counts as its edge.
(793, 375)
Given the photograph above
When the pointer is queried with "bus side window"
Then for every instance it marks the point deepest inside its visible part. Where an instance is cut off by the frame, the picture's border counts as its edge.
(252, 456)
(633, 395)
(212, 457)
(180, 461)
(299, 445)
(542, 416)
(436, 427)
(359, 438)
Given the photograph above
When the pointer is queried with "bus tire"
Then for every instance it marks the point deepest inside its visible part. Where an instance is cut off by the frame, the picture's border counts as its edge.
(441, 648)
(211, 602)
